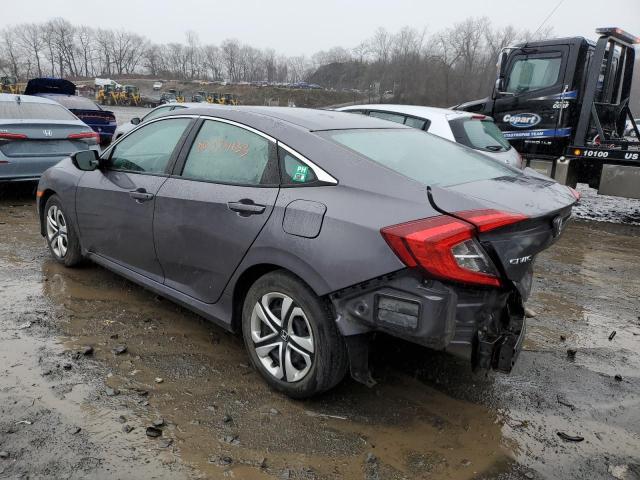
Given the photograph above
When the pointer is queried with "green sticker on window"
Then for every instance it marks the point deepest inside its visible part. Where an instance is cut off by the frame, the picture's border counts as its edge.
(302, 171)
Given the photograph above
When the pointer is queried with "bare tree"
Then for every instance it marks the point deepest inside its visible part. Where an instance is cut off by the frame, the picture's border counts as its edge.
(32, 41)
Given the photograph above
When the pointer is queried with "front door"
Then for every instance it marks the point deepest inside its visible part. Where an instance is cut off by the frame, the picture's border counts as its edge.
(115, 204)
(210, 212)
(531, 106)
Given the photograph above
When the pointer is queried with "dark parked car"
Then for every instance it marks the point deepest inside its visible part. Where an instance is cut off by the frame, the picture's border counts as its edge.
(64, 92)
(309, 230)
(36, 133)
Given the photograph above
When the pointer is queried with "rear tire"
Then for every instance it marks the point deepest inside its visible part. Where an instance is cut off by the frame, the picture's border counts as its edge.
(291, 336)
(60, 233)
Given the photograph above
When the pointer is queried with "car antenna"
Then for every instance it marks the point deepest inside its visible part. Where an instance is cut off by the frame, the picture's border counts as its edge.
(547, 19)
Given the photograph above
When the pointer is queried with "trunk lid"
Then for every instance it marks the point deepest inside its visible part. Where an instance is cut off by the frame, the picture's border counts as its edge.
(43, 138)
(513, 248)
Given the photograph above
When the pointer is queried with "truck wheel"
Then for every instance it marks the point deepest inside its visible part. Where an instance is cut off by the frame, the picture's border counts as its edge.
(61, 235)
(292, 337)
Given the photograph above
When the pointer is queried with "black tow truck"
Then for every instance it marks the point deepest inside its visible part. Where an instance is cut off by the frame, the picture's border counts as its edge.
(564, 105)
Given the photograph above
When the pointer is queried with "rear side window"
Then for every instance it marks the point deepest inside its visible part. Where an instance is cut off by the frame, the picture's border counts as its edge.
(294, 171)
(418, 123)
(224, 153)
(533, 74)
(479, 134)
(34, 111)
(392, 117)
(149, 149)
(423, 157)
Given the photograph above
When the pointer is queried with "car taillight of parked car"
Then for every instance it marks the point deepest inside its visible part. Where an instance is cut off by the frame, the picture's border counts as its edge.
(92, 138)
(12, 136)
(446, 247)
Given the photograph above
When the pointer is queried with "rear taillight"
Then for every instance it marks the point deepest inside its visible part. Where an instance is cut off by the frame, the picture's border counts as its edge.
(445, 246)
(84, 136)
(12, 136)
(575, 193)
(489, 219)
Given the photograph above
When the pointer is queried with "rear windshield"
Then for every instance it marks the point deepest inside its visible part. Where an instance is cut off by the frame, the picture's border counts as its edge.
(34, 111)
(421, 156)
(479, 134)
(75, 102)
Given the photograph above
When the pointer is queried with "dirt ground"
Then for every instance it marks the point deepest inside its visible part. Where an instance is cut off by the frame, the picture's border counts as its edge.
(65, 411)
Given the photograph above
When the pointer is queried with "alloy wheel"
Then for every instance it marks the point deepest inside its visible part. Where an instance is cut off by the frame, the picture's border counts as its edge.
(282, 337)
(57, 231)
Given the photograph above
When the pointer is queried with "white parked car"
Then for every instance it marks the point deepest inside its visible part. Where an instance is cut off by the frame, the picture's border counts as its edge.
(473, 130)
(156, 112)
(157, 85)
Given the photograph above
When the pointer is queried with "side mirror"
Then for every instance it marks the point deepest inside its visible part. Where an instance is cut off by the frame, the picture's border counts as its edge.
(135, 120)
(86, 160)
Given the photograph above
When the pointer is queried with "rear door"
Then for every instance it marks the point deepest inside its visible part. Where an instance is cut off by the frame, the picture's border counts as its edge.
(211, 210)
(115, 204)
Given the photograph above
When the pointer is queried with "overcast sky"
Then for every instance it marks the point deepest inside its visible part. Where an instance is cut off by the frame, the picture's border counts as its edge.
(295, 27)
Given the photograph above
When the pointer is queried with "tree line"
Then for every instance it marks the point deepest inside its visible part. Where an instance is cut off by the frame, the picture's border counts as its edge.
(440, 68)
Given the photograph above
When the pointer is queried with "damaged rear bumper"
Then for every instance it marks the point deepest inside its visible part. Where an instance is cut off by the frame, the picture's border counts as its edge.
(486, 326)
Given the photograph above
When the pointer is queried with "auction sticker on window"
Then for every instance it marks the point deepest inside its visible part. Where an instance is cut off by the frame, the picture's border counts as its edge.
(301, 174)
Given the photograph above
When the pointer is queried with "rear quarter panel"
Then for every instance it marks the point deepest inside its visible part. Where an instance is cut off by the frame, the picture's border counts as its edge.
(349, 248)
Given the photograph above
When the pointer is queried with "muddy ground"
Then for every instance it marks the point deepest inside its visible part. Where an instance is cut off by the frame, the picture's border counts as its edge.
(65, 414)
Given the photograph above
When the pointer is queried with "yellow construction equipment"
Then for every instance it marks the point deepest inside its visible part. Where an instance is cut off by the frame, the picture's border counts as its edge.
(108, 95)
(229, 99)
(177, 94)
(130, 95)
(9, 85)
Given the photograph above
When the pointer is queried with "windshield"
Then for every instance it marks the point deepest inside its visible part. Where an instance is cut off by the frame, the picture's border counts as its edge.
(34, 111)
(481, 134)
(423, 157)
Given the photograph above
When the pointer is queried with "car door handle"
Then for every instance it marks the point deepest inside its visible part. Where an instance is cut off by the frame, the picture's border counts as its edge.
(140, 195)
(246, 207)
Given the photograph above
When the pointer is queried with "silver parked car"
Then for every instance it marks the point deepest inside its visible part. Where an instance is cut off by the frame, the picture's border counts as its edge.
(472, 130)
(35, 134)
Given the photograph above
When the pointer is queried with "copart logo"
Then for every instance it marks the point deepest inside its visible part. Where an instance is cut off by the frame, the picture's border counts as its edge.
(522, 120)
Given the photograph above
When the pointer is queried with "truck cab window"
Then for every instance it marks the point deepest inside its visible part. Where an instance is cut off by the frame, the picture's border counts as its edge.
(528, 74)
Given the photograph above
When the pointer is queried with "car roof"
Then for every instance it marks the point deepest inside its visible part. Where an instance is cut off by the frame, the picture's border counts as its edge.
(10, 97)
(414, 110)
(308, 118)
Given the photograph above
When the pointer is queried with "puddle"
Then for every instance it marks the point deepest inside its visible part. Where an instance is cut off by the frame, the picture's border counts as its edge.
(429, 417)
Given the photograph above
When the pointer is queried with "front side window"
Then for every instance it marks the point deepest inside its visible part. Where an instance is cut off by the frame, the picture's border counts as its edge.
(156, 113)
(149, 149)
(529, 74)
(225, 153)
(423, 157)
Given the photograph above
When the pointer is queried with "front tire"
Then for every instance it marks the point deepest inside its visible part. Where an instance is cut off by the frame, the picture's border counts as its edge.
(61, 235)
(291, 336)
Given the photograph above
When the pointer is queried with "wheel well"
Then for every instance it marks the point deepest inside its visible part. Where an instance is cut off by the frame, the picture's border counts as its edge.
(243, 284)
(42, 201)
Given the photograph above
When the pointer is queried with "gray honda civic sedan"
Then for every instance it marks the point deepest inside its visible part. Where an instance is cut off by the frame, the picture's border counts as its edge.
(308, 231)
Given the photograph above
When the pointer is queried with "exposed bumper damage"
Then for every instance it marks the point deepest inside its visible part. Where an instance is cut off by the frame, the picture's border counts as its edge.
(483, 325)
